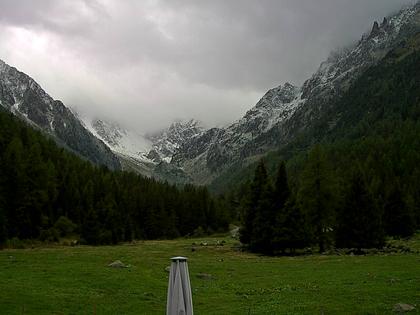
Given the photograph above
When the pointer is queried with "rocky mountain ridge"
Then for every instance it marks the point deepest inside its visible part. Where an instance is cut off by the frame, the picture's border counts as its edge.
(284, 112)
(25, 98)
(142, 153)
(167, 141)
(187, 152)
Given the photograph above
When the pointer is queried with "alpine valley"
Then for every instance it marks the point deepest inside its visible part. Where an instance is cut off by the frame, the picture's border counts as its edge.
(186, 152)
(308, 204)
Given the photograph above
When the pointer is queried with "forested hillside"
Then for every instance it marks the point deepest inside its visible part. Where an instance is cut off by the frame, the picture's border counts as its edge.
(355, 175)
(46, 192)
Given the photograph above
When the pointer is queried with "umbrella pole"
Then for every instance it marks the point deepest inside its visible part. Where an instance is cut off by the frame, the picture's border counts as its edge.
(179, 299)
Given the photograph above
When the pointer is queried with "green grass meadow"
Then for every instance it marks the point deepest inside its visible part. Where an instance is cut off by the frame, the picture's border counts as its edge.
(76, 280)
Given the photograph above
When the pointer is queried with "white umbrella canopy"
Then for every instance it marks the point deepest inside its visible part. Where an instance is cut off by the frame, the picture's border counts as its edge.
(179, 300)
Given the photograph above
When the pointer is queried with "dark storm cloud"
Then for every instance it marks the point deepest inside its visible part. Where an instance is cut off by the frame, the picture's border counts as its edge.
(149, 62)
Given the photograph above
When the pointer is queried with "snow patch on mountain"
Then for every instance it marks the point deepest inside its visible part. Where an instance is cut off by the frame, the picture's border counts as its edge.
(150, 149)
(166, 142)
(118, 139)
(344, 64)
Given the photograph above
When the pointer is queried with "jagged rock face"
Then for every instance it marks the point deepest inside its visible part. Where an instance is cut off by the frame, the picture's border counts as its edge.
(112, 134)
(342, 68)
(167, 141)
(286, 111)
(148, 155)
(22, 96)
(334, 75)
(209, 153)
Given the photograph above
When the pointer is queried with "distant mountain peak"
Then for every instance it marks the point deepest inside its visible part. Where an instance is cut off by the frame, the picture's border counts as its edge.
(145, 151)
(167, 141)
(120, 140)
(282, 94)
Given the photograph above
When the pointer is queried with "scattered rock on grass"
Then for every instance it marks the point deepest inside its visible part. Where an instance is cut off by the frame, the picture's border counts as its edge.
(168, 269)
(118, 264)
(403, 308)
(234, 233)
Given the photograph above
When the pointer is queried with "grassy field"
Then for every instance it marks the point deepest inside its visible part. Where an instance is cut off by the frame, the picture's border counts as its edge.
(76, 280)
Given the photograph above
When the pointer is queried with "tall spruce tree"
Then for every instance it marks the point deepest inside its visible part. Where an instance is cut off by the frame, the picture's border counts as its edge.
(252, 201)
(359, 223)
(3, 227)
(316, 197)
(290, 232)
(264, 222)
(90, 229)
(399, 219)
(281, 187)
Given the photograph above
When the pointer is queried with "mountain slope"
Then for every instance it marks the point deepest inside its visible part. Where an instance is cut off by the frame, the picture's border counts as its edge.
(149, 154)
(375, 124)
(118, 139)
(202, 157)
(286, 112)
(166, 142)
(22, 96)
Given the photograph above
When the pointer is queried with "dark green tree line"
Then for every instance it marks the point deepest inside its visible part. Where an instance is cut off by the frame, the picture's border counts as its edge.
(40, 184)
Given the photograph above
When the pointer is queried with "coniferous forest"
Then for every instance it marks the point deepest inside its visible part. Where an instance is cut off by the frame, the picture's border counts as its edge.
(47, 192)
(358, 185)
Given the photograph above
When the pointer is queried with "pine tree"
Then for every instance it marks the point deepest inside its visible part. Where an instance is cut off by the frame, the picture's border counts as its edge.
(3, 214)
(3, 226)
(398, 217)
(359, 222)
(251, 202)
(290, 232)
(264, 222)
(316, 197)
(16, 189)
(90, 229)
(281, 187)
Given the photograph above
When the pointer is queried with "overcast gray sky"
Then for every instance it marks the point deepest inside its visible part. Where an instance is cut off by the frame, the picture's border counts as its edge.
(147, 62)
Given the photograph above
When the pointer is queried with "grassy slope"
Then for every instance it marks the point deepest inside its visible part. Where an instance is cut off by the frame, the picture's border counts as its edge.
(76, 280)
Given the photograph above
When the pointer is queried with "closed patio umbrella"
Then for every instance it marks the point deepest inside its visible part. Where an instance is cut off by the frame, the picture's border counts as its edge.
(179, 300)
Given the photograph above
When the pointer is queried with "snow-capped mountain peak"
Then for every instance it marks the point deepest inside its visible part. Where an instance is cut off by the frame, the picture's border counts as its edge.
(277, 104)
(167, 141)
(344, 64)
(150, 149)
